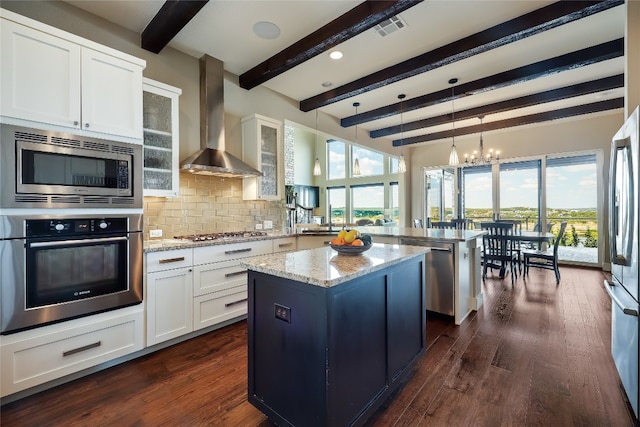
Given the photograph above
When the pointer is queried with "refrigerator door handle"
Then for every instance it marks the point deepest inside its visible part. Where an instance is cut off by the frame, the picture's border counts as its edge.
(626, 310)
(621, 205)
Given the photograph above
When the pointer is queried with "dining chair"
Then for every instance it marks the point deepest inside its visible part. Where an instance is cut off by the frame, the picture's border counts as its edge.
(545, 259)
(417, 223)
(442, 224)
(463, 223)
(497, 248)
(517, 244)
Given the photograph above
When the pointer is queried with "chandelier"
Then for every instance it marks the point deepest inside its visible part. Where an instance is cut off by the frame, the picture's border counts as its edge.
(478, 157)
(317, 169)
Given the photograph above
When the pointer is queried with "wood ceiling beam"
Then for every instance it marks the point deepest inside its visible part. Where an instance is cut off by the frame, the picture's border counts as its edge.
(532, 23)
(586, 88)
(359, 19)
(170, 19)
(594, 107)
(569, 61)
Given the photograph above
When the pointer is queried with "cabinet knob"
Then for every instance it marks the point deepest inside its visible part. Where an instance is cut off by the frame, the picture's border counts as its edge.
(75, 123)
(86, 125)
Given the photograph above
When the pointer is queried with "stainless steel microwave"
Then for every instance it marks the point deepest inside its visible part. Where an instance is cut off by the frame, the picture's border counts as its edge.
(47, 169)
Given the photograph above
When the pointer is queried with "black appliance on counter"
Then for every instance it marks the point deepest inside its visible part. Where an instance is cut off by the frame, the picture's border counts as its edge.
(57, 267)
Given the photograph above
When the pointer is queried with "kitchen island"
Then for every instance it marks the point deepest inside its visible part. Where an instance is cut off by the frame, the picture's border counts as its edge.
(330, 336)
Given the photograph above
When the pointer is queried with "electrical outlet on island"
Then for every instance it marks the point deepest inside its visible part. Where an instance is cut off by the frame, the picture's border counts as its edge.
(268, 224)
(258, 226)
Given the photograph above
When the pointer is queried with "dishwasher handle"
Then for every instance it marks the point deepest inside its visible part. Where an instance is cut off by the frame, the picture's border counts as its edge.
(437, 249)
(626, 310)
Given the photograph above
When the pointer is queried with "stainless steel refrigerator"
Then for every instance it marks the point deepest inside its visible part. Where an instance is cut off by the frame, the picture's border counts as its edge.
(623, 243)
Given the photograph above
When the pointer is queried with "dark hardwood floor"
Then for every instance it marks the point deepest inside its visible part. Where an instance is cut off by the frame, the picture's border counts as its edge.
(536, 354)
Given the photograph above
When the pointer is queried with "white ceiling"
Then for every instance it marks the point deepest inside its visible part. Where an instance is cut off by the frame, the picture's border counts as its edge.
(224, 30)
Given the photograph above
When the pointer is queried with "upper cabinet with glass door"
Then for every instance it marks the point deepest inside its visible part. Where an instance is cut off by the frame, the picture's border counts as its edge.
(261, 149)
(161, 139)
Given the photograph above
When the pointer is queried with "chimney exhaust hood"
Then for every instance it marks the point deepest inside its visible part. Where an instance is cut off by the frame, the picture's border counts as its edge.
(212, 159)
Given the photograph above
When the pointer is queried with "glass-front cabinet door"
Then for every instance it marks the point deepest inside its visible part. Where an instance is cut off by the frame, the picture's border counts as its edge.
(161, 139)
(261, 148)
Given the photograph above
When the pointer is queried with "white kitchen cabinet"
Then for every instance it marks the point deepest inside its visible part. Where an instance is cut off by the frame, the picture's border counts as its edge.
(161, 139)
(169, 295)
(286, 244)
(55, 78)
(219, 283)
(313, 242)
(262, 149)
(37, 356)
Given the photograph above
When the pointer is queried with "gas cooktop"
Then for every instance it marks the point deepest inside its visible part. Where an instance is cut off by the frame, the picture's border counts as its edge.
(218, 236)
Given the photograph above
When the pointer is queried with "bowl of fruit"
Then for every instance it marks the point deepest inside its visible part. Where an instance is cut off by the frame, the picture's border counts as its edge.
(350, 242)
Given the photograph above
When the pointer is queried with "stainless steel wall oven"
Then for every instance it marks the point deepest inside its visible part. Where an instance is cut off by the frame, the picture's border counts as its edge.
(47, 169)
(58, 267)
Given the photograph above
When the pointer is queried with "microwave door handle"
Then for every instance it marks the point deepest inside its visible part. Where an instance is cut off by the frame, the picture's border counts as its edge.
(77, 242)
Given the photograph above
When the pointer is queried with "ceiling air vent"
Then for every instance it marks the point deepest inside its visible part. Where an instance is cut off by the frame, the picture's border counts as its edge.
(389, 26)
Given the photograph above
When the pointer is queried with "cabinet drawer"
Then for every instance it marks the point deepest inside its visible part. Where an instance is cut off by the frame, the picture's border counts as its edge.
(167, 260)
(215, 253)
(215, 308)
(38, 359)
(217, 276)
(284, 245)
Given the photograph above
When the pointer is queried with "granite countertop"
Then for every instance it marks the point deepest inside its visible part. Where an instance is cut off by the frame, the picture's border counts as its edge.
(426, 234)
(326, 268)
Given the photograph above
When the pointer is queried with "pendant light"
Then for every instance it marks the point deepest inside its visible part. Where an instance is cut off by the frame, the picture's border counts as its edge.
(317, 170)
(356, 163)
(402, 165)
(453, 156)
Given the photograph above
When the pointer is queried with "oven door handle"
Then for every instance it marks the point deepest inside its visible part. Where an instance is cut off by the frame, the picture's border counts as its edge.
(76, 242)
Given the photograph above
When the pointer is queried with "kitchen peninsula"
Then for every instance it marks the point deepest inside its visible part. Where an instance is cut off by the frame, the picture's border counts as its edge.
(332, 336)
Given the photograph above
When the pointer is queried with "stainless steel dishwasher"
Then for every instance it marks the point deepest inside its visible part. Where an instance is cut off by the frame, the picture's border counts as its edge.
(439, 275)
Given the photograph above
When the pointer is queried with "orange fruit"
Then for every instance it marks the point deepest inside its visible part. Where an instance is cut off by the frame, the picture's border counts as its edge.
(357, 242)
(338, 241)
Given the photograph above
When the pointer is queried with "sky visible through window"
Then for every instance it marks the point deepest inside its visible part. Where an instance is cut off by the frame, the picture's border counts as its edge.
(568, 187)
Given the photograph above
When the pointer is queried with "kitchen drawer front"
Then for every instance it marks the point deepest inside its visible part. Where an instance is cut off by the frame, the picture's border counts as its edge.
(38, 359)
(284, 245)
(168, 260)
(215, 253)
(218, 276)
(211, 309)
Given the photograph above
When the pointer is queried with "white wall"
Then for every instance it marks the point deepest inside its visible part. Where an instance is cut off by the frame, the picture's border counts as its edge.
(304, 156)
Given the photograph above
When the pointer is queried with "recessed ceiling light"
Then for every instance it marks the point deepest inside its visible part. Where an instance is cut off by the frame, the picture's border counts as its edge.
(327, 84)
(336, 54)
(266, 30)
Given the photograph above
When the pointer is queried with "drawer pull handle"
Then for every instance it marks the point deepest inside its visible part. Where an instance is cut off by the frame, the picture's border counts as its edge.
(235, 273)
(237, 251)
(284, 245)
(327, 242)
(229, 304)
(168, 260)
(81, 349)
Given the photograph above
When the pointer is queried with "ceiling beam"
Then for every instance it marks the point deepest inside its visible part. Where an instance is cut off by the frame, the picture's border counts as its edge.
(569, 61)
(170, 19)
(532, 23)
(594, 107)
(585, 88)
(359, 19)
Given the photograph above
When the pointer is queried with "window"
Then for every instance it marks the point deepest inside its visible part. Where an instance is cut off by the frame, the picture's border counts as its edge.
(439, 195)
(371, 162)
(520, 192)
(477, 193)
(367, 202)
(394, 203)
(337, 159)
(572, 196)
(337, 204)
(393, 165)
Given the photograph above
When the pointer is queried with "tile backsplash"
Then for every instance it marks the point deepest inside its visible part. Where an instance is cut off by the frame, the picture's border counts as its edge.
(208, 204)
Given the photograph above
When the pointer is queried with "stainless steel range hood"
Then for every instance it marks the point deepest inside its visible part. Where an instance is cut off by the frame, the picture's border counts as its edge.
(212, 159)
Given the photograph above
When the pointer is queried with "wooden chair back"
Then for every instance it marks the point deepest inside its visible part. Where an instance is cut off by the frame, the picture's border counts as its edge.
(442, 224)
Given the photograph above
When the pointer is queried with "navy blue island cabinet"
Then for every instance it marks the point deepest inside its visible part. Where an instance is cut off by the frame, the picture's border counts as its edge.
(331, 355)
